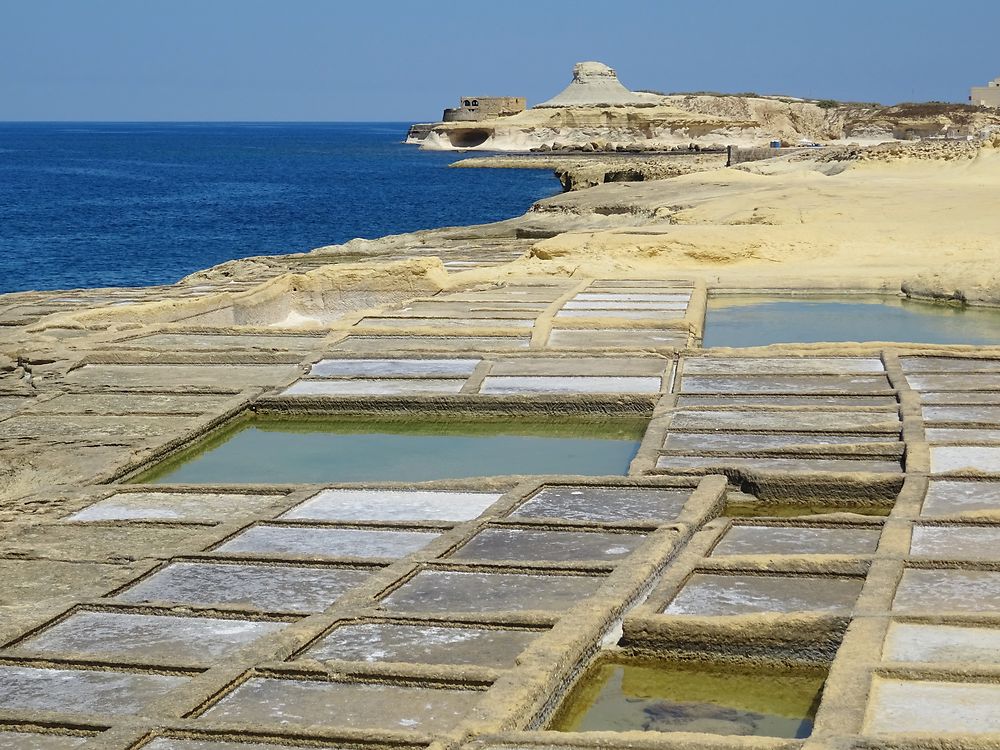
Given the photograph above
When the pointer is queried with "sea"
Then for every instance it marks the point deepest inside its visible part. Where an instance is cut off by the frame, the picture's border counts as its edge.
(134, 204)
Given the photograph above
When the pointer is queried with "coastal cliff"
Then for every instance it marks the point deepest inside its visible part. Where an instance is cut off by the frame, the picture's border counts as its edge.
(597, 113)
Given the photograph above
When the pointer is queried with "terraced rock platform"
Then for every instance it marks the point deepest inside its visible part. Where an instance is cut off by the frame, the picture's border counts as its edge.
(825, 507)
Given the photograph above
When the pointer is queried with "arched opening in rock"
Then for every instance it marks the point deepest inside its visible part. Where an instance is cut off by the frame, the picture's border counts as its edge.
(469, 138)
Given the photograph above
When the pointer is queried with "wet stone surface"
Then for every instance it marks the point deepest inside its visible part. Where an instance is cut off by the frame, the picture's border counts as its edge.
(941, 644)
(711, 594)
(782, 365)
(949, 364)
(962, 414)
(304, 541)
(392, 505)
(703, 698)
(956, 435)
(359, 705)
(946, 498)
(956, 542)
(595, 338)
(604, 504)
(932, 706)
(942, 591)
(10, 740)
(277, 588)
(707, 464)
(497, 385)
(160, 639)
(951, 382)
(793, 384)
(750, 442)
(173, 506)
(798, 421)
(965, 459)
(81, 690)
(373, 387)
(355, 343)
(422, 644)
(457, 591)
(389, 368)
(797, 540)
(556, 546)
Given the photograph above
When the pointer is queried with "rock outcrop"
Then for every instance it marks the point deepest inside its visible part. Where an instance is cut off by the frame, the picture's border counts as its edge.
(597, 113)
(594, 84)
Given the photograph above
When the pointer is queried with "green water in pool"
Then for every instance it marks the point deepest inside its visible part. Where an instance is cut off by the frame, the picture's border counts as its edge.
(752, 320)
(265, 450)
(664, 696)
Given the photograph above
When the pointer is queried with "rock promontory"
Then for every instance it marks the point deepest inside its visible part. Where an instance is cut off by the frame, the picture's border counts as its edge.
(597, 112)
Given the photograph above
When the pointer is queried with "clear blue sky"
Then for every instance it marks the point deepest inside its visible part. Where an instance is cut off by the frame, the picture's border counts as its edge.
(406, 60)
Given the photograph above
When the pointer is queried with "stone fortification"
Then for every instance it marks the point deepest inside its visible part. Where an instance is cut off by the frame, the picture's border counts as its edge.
(477, 108)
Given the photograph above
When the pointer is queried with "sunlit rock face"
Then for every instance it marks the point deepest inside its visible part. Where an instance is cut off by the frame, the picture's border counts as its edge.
(595, 84)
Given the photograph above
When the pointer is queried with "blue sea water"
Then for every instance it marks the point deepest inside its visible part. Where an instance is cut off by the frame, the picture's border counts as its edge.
(99, 204)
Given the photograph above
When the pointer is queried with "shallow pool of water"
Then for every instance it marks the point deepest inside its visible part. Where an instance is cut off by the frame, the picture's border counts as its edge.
(751, 320)
(660, 696)
(271, 450)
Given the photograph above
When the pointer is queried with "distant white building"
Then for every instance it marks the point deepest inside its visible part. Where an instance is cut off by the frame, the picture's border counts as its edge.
(988, 95)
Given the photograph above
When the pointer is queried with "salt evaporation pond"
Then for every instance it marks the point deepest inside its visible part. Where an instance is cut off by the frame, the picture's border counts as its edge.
(271, 450)
(752, 320)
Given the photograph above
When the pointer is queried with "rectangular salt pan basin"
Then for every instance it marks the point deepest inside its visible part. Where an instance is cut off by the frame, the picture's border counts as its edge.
(632, 297)
(949, 364)
(81, 690)
(785, 384)
(453, 591)
(660, 696)
(350, 450)
(393, 368)
(277, 588)
(741, 442)
(940, 591)
(578, 304)
(423, 644)
(548, 545)
(885, 423)
(623, 314)
(941, 644)
(357, 705)
(605, 504)
(744, 320)
(372, 387)
(173, 506)
(711, 594)
(946, 498)
(392, 505)
(782, 365)
(326, 542)
(797, 540)
(935, 707)
(956, 542)
(162, 639)
(581, 384)
(964, 459)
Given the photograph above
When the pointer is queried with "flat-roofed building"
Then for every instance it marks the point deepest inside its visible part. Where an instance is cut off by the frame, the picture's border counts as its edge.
(988, 95)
